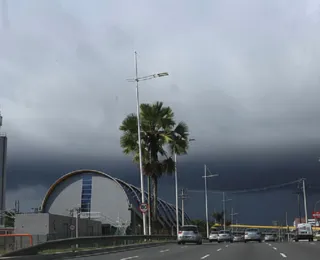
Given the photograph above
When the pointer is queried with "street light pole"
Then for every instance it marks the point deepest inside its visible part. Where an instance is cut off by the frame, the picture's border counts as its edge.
(139, 143)
(305, 200)
(177, 195)
(137, 79)
(315, 205)
(206, 194)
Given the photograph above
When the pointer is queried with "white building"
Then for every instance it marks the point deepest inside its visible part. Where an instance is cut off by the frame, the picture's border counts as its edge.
(104, 198)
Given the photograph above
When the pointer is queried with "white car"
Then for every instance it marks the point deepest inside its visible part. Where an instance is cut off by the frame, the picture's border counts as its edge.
(225, 236)
(317, 236)
(189, 234)
(213, 237)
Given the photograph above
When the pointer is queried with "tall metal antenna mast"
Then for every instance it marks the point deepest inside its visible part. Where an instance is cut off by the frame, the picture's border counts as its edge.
(0, 120)
(4, 14)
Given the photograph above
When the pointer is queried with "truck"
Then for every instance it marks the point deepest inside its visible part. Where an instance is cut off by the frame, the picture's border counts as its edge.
(303, 232)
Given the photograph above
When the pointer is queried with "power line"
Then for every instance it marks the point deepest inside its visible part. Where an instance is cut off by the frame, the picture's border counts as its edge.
(250, 190)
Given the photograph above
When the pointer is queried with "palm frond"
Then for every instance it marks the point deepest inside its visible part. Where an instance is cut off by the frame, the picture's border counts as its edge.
(180, 139)
(130, 124)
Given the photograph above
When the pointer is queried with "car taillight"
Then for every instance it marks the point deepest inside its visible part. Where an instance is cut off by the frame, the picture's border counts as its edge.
(180, 232)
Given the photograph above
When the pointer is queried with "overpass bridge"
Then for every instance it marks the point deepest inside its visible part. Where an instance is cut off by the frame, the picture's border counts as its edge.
(263, 229)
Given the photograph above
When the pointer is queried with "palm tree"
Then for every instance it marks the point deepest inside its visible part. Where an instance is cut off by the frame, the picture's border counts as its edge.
(160, 138)
(218, 217)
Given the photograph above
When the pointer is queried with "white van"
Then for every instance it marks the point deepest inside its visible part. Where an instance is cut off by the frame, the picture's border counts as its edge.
(303, 231)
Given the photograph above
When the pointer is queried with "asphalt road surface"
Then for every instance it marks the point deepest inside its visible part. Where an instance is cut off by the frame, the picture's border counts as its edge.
(223, 251)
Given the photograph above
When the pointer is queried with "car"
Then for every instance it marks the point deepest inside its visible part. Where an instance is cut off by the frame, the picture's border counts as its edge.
(213, 237)
(317, 236)
(225, 236)
(269, 238)
(252, 234)
(303, 231)
(189, 234)
(238, 238)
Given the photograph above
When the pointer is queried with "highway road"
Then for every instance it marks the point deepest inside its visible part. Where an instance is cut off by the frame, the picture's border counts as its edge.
(235, 251)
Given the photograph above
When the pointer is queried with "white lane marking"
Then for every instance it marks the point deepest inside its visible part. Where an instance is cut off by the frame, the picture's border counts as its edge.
(283, 255)
(275, 248)
(204, 257)
(312, 243)
(183, 246)
(227, 245)
(131, 257)
(218, 249)
(163, 251)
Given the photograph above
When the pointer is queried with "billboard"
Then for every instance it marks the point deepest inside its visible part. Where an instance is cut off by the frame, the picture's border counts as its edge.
(316, 214)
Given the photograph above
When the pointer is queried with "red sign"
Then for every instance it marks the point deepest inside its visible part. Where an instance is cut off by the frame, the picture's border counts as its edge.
(316, 214)
(144, 207)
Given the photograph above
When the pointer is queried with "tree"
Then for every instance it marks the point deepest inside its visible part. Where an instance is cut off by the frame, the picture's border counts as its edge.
(219, 218)
(9, 217)
(160, 138)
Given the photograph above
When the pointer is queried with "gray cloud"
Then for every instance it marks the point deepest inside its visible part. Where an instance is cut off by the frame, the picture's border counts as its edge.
(240, 74)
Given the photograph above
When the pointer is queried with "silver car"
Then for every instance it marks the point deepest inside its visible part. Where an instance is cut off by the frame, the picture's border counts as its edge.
(189, 234)
(225, 236)
(238, 238)
(270, 238)
(252, 234)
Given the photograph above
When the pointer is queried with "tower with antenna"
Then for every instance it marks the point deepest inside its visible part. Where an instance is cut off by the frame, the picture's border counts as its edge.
(3, 166)
(4, 14)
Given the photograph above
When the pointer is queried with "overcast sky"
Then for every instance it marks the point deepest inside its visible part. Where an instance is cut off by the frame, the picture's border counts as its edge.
(244, 75)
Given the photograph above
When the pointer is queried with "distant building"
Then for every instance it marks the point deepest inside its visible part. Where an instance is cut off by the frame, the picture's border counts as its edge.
(3, 166)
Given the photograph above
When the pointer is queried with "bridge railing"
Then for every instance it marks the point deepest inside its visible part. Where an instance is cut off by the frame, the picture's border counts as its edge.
(89, 243)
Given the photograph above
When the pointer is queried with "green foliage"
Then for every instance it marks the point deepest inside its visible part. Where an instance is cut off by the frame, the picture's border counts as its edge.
(161, 137)
(219, 218)
(9, 219)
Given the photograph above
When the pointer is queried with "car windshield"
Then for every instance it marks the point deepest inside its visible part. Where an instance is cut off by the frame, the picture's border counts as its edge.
(224, 232)
(189, 228)
(213, 232)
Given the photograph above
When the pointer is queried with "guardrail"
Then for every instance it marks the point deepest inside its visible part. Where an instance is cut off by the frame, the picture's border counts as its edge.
(88, 243)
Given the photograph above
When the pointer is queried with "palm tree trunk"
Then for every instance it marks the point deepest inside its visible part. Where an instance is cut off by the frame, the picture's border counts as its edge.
(149, 203)
(155, 197)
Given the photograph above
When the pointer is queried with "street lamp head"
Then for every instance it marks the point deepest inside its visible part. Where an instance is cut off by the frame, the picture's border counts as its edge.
(162, 74)
(210, 176)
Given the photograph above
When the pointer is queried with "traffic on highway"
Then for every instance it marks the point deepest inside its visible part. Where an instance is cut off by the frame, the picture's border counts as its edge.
(220, 251)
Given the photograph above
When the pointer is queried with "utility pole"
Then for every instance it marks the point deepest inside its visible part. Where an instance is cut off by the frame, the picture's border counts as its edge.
(205, 176)
(232, 216)
(17, 206)
(224, 200)
(305, 200)
(183, 196)
(287, 226)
